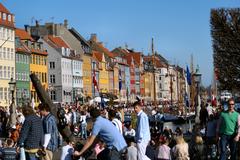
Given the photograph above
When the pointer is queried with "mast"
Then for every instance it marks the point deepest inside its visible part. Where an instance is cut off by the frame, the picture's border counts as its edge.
(154, 82)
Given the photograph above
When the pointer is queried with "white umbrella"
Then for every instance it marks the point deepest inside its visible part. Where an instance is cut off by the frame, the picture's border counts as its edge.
(98, 99)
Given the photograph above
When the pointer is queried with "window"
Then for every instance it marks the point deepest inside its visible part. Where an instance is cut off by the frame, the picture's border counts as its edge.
(9, 18)
(12, 72)
(8, 53)
(5, 93)
(1, 93)
(12, 54)
(1, 32)
(45, 60)
(16, 75)
(4, 16)
(53, 95)
(1, 53)
(4, 53)
(4, 72)
(1, 72)
(4, 33)
(52, 78)
(52, 65)
(17, 58)
(8, 72)
(8, 34)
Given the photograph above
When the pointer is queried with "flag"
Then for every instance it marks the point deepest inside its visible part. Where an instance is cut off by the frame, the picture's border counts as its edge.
(186, 100)
(102, 102)
(189, 81)
(95, 80)
(120, 80)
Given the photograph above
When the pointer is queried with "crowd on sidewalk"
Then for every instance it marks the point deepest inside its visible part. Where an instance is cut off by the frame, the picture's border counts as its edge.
(107, 135)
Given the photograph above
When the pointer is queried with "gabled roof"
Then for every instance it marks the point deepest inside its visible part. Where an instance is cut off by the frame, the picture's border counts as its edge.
(4, 9)
(23, 48)
(58, 41)
(39, 51)
(155, 60)
(97, 46)
(97, 55)
(6, 22)
(23, 35)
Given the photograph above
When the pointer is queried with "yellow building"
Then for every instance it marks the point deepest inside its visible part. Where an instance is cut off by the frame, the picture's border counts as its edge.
(38, 65)
(7, 54)
(87, 75)
(103, 72)
(148, 83)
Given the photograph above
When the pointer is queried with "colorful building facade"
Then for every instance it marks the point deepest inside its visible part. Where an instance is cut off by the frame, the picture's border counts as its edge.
(7, 54)
(22, 72)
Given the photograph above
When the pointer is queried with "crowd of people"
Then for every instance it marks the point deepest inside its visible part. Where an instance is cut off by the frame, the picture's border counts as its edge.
(104, 134)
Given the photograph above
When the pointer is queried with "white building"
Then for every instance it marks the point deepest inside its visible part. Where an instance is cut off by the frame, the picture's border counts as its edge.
(7, 54)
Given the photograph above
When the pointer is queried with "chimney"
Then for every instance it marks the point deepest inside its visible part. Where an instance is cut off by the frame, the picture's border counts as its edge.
(93, 37)
(65, 23)
(27, 29)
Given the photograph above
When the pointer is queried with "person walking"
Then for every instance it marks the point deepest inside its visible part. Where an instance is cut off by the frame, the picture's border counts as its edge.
(142, 136)
(228, 130)
(50, 131)
(108, 133)
(31, 134)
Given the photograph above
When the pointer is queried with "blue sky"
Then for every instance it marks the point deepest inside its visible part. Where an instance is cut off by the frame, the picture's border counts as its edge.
(179, 27)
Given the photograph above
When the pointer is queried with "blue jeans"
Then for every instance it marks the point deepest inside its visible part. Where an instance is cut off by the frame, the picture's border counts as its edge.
(84, 130)
(31, 156)
(228, 140)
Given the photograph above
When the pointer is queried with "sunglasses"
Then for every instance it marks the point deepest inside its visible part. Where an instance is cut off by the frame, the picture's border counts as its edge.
(231, 104)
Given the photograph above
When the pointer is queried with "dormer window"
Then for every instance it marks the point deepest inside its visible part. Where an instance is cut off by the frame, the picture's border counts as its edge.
(4, 16)
(9, 18)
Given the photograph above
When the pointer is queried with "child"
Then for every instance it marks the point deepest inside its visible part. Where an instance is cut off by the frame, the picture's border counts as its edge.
(180, 150)
(68, 150)
(9, 152)
(197, 150)
(163, 151)
(131, 150)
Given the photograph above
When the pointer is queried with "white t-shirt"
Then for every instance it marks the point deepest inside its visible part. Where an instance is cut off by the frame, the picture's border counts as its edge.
(118, 124)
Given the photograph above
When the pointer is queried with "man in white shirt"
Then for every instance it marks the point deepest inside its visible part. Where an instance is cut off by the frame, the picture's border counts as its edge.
(116, 122)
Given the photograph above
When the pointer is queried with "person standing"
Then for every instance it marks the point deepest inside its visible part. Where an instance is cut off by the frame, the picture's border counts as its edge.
(108, 133)
(113, 117)
(228, 129)
(31, 134)
(142, 136)
(50, 131)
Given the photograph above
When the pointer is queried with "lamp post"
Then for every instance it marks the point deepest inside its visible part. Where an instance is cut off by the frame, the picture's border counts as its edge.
(12, 87)
(197, 80)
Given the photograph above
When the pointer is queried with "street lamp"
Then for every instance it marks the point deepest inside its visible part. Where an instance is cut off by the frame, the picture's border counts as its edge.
(197, 80)
(12, 87)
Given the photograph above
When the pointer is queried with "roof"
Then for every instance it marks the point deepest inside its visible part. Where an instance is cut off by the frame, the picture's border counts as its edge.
(157, 61)
(22, 34)
(23, 48)
(4, 9)
(97, 46)
(97, 55)
(39, 51)
(78, 36)
(58, 41)
(6, 22)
